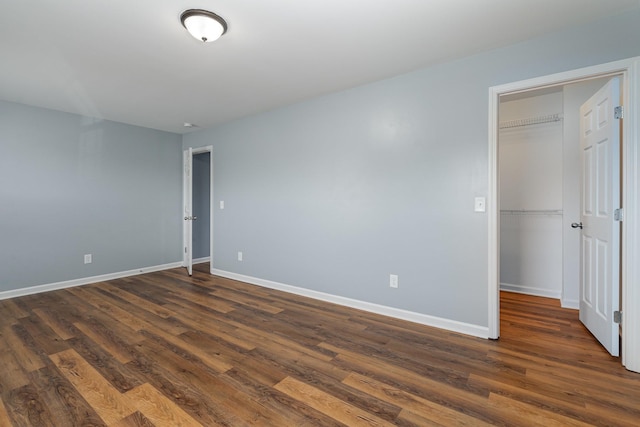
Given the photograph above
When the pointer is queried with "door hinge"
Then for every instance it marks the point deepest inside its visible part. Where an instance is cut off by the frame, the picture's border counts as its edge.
(185, 250)
(618, 112)
(617, 317)
(618, 214)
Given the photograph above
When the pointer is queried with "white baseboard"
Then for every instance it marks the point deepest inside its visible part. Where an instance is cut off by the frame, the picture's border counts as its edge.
(201, 260)
(570, 303)
(529, 290)
(84, 281)
(424, 319)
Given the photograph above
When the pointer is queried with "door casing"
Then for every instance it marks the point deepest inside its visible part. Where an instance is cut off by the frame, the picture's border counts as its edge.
(194, 151)
(629, 70)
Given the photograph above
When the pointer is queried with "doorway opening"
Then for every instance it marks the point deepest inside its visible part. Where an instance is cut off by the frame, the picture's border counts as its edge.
(628, 71)
(198, 207)
(540, 170)
(201, 204)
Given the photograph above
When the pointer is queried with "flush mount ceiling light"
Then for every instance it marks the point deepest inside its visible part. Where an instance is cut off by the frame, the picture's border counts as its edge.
(203, 25)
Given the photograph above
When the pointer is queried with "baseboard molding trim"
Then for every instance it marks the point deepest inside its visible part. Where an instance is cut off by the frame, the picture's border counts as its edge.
(570, 303)
(201, 260)
(424, 319)
(528, 290)
(13, 293)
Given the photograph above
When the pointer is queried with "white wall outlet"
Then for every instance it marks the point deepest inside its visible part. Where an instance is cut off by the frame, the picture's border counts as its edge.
(393, 280)
(239, 256)
(480, 204)
(221, 204)
(87, 259)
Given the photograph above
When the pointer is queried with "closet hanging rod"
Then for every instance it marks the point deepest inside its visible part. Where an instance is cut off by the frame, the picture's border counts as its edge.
(549, 118)
(531, 211)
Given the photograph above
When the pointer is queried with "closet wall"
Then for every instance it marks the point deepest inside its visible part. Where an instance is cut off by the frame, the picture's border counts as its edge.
(531, 199)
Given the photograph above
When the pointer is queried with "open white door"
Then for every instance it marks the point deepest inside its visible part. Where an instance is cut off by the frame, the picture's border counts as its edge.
(188, 210)
(600, 244)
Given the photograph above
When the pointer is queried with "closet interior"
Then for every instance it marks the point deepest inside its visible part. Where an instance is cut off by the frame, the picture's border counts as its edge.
(540, 182)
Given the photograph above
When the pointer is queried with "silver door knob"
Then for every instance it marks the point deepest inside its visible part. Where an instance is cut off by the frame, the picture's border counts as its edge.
(576, 225)
(195, 217)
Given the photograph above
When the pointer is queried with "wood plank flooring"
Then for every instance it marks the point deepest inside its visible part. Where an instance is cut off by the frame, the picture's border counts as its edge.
(164, 349)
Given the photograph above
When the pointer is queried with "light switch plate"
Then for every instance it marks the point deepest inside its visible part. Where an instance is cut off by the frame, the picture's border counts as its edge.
(480, 204)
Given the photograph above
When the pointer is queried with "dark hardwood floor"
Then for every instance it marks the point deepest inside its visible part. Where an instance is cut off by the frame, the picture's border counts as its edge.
(164, 349)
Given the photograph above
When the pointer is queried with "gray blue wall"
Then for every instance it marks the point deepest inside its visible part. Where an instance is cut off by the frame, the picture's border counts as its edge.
(71, 185)
(336, 193)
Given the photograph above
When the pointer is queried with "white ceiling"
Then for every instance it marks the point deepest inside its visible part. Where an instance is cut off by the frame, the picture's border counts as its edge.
(132, 61)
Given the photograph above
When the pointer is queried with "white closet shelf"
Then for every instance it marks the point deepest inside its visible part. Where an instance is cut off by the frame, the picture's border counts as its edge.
(531, 211)
(549, 118)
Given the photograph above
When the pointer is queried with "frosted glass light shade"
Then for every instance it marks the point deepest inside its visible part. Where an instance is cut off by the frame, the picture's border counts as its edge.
(203, 25)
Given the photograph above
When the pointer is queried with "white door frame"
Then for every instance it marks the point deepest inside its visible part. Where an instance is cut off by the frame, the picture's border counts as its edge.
(629, 70)
(194, 151)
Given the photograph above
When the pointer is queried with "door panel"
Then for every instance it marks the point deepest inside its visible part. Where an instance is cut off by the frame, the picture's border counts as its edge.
(587, 181)
(587, 250)
(600, 144)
